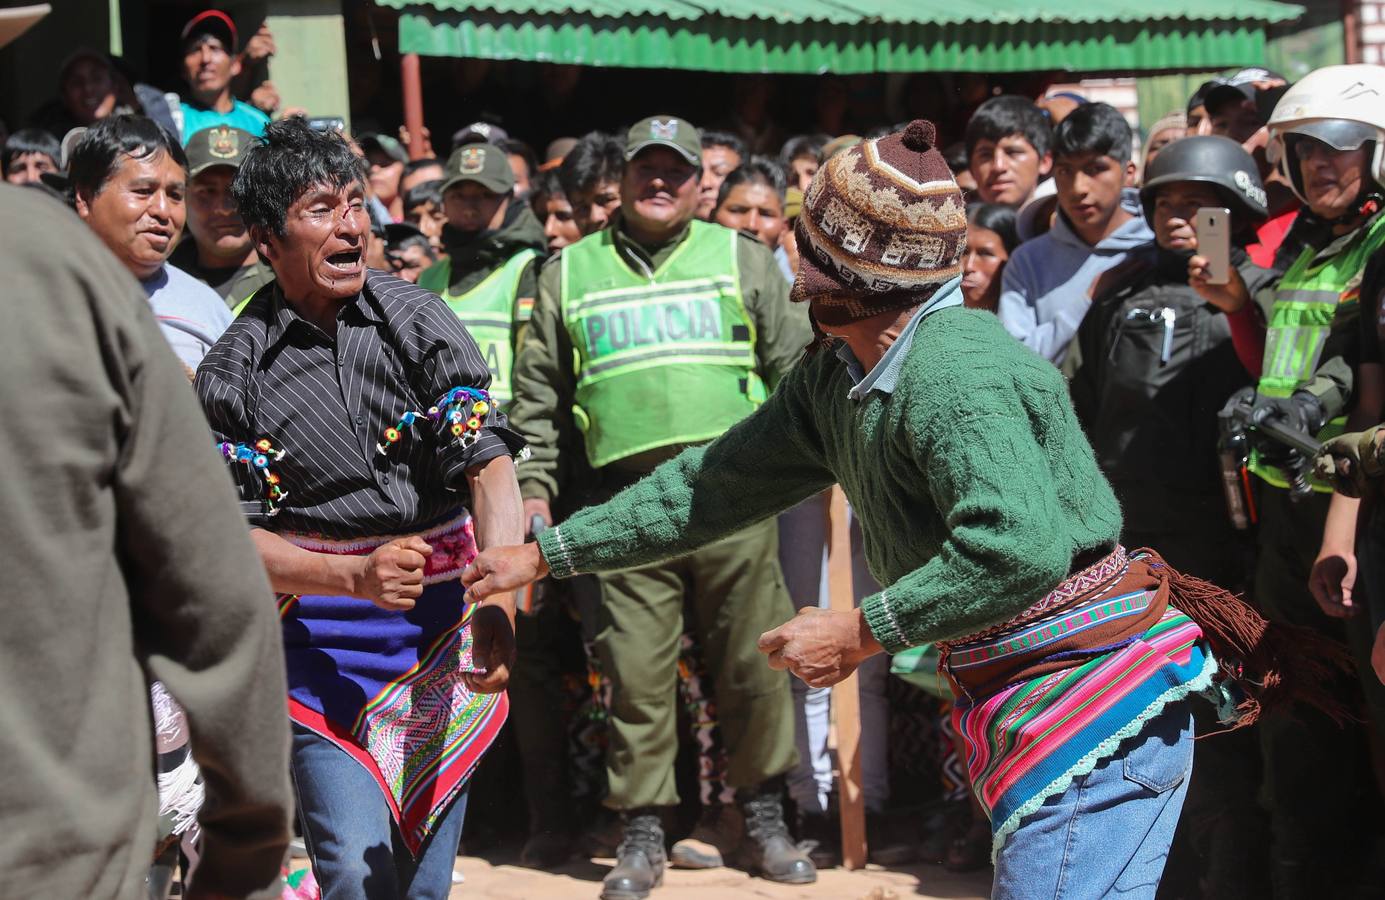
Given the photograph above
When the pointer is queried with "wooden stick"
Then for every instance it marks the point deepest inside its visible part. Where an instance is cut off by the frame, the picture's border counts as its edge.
(846, 699)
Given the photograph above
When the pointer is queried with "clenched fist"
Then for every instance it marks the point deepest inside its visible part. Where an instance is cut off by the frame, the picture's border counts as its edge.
(392, 576)
(820, 646)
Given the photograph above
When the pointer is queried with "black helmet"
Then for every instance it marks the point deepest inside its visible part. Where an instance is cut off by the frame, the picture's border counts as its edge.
(1217, 161)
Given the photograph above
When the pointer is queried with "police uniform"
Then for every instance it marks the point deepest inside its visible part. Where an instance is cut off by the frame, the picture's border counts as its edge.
(1311, 346)
(632, 354)
(489, 278)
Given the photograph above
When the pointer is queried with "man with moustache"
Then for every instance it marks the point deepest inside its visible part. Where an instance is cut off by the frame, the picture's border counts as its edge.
(129, 182)
(651, 335)
(353, 410)
(218, 249)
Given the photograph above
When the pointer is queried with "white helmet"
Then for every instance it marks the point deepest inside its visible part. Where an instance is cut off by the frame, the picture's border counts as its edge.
(1342, 106)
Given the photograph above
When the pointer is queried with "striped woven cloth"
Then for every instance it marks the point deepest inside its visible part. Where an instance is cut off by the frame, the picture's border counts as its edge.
(387, 687)
(1029, 739)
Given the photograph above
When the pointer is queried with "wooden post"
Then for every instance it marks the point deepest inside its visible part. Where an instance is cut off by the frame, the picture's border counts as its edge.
(846, 698)
(412, 82)
(1351, 31)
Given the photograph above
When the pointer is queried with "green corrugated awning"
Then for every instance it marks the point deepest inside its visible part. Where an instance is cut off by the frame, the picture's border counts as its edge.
(846, 36)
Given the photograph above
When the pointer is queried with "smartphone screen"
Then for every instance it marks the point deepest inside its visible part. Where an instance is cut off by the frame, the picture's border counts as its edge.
(327, 123)
(1213, 227)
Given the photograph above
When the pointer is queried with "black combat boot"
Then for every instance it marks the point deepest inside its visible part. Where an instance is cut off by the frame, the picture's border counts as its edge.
(640, 859)
(767, 850)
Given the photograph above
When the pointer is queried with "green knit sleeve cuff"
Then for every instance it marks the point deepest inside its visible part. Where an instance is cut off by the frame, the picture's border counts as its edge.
(556, 553)
(884, 624)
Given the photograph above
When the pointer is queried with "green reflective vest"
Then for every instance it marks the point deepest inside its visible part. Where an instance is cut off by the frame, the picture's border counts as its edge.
(660, 359)
(488, 313)
(1306, 302)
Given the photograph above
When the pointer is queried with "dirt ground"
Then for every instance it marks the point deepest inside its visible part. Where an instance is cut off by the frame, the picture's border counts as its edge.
(582, 881)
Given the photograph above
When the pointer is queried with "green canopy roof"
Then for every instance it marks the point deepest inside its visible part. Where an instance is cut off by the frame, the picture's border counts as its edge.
(846, 36)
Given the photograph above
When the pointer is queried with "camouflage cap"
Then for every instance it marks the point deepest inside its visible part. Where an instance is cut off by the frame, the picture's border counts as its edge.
(665, 131)
(485, 164)
(220, 145)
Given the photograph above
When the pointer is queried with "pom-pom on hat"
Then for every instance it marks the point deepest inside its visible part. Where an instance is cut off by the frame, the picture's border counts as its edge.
(883, 227)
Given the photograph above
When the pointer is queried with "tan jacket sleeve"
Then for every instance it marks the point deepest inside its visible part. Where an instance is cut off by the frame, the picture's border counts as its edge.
(544, 382)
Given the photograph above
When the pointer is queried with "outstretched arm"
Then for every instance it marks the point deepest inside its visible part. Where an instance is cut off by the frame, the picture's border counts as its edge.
(764, 464)
(496, 510)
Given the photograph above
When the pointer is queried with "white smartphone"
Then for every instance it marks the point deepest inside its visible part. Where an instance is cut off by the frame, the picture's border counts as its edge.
(1213, 227)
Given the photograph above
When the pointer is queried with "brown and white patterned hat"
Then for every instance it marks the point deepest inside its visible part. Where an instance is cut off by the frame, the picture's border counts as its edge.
(883, 227)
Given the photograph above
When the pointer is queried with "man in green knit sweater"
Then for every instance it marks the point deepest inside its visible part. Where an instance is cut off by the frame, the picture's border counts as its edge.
(983, 511)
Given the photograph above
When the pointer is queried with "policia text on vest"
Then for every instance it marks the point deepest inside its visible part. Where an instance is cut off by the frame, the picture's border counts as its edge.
(646, 343)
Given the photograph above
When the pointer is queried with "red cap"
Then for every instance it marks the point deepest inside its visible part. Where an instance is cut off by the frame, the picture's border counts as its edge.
(216, 23)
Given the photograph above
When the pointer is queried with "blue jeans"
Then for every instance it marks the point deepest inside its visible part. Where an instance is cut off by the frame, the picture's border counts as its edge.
(1108, 835)
(350, 833)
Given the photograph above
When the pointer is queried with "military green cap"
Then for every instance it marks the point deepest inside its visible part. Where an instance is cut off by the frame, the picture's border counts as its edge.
(665, 131)
(485, 164)
(220, 145)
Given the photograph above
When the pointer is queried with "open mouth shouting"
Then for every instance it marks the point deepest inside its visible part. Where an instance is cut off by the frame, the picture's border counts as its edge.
(347, 263)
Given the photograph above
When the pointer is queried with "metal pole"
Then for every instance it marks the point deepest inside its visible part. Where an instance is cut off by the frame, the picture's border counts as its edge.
(413, 102)
(846, 698)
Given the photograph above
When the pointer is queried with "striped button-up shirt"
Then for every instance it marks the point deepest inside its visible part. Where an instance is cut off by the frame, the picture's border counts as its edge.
(326, 402)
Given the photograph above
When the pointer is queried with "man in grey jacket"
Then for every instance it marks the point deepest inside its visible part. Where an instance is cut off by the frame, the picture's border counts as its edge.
(1045, 287)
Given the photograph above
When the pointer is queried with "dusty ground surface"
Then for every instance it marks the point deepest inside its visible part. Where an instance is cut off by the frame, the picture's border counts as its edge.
(582, 881)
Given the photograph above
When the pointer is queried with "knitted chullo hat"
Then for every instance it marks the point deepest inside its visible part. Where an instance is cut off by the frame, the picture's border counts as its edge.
(883, 227)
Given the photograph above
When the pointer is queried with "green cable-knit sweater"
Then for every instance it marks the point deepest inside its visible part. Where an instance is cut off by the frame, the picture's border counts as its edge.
(974, 484)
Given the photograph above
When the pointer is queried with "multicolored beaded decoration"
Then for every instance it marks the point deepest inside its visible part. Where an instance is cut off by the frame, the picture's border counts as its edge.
(464, 410)
(392, 435)
(258, 459)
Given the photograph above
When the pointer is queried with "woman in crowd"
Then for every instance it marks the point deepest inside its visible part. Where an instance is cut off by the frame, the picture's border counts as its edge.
(991, 238)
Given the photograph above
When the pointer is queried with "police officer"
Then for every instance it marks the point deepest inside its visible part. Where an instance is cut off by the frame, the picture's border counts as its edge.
(493, 243)
(656, 333)
(219, 249)
(1326, 138)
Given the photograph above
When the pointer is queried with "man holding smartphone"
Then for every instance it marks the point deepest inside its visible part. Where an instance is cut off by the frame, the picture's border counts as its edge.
(1157, 364)
(1326, 136)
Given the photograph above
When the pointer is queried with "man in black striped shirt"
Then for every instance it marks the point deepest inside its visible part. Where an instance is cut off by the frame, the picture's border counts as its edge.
(353, 412)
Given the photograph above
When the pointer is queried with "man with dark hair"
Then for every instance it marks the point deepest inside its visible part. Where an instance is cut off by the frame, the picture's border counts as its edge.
(385, 160)
(1008, 141)
(1240, 106)
(523, 163)
(219, 250)
(722, 152)
(419, 171)
(29, 153)
(716, 330)
(493, 241)
(590, 176)
(408, 251)
(210, 64)
(423, 209)
(129, 182)
(1199, 123)
(371, 462)
(1045, 286)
